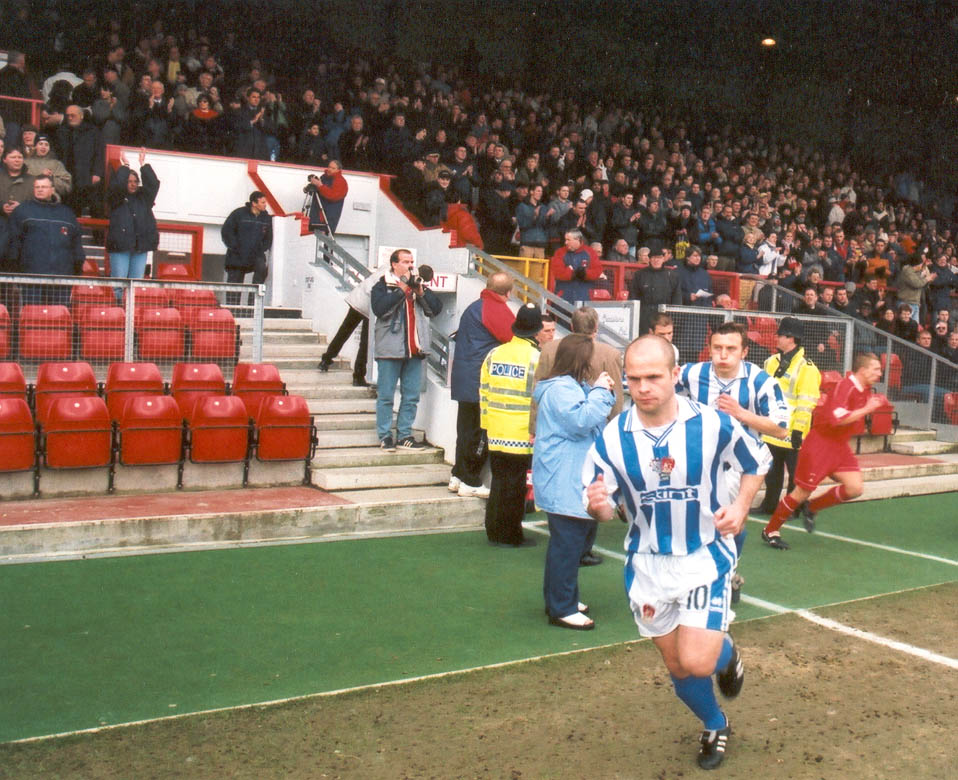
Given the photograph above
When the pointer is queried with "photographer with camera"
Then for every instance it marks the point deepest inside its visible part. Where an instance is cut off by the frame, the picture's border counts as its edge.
(401, 304)
(325, 195)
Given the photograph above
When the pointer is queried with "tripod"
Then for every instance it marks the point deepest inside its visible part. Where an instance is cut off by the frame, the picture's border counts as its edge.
(313, 204)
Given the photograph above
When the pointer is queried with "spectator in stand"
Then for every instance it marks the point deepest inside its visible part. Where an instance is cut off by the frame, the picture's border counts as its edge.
(731, 235)
(78, 142)
(485, 324)
(251, 128)
(132, 233)
(88, 90)
(505, 395)
(707, 232)
(247, 234)
(619, 253)
(654, 285)
(912, 280)
(439, 194)
(311, 148)
(696, 281)
(942, 286)
(748, 257)
(842, 302)
(14, 82)
(16, 183)
(625, 219)
(402, 305)
(770, 259)
(464, 178)
(652, 226)
(495, 214)
(575, 268)
(44, 161)
(45, 239)
(950, 350)
(532, 221)
(354, 148)
(905, 326)
(809, 303)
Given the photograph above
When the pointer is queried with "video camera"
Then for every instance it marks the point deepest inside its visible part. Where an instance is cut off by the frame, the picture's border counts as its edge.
(425, 274)
(311, 186)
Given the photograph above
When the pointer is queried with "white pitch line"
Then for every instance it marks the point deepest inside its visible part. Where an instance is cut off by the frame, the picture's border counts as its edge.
(834, 625)
(874, 545)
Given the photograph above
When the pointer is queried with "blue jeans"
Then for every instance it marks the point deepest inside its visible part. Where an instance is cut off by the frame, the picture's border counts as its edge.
(915, 311)
(568, 540)
(127, 265)
(408, 373)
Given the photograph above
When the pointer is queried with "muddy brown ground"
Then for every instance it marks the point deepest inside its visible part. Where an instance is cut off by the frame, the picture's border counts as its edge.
(816, 704)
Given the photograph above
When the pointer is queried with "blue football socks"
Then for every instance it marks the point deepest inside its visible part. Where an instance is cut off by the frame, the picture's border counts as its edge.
(726, 655)
(698, 695)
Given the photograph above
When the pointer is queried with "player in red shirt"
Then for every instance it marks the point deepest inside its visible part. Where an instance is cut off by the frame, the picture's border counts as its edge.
(825, 451)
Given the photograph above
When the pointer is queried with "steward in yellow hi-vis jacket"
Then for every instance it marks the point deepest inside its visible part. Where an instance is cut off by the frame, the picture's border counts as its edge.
(505, 395)
(800, 381)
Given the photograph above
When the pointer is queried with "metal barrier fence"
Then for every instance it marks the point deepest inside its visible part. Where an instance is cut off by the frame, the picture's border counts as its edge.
(102, 321)
(180, 245)
(922, 385)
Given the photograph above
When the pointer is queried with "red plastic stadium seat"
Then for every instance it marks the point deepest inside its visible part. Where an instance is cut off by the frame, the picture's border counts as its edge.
(62, 380)
(174, 272)
(77, 434)
(893, 375)
(219, 430)
(150, 431)
(213, 334)
(90, 268)
(767, 330)
(12, 382)
(255, 381)
(830, 380)
(951, 407)
(4, 332)
(598, 294)
(84, 296)
(882, 421)
(192, 381)
(46, 332)
(284, 428)
(150, 297)
(123, 380)
(102, 333)
(622, 295)
(17, 442)
(160, 334)
(188, 301)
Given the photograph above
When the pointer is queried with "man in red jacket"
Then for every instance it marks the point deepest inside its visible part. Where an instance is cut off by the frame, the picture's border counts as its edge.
(575, 268)
(330, 190)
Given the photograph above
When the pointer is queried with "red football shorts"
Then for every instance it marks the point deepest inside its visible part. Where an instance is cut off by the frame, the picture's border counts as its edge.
(820, 457)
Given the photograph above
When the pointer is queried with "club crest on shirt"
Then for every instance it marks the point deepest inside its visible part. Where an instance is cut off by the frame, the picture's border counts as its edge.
(64, 230)
(663, 466)
(648, 612)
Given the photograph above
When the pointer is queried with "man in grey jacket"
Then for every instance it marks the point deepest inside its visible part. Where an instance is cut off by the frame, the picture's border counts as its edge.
(399, 302)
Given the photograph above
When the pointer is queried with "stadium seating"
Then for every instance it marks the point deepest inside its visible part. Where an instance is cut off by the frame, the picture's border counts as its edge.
(12, 382)
(160, 334)
(84, 296)
(187, 302)
(150, 298)
(46, 332)
(17, 435)
(598, 294)
(766, 329)
(62, 380)
(893, 376)
(124, 380)
(150, 431)
(255, 381)
(90, 268)
(174, 272)
(76, 434)
(284, 429)
(102, 333)
(192, 381)
(219, 430)
(951, 408)
(830, 380)
(883, 421)
(213, 335)
(5, 342)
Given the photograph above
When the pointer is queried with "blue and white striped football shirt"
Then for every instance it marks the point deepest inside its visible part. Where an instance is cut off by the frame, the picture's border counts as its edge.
(673, 480)
(754, 390)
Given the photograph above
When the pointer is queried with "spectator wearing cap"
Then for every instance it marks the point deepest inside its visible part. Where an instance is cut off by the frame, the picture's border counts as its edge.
(574, 268)
(505, 396)
(654, 285)
(43, 160)
(439, 194)
(799, 380)
(434, 166)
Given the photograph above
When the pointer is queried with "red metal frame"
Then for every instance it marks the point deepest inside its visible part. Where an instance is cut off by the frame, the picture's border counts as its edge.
(196, 249)
(620, 283)
(35, 107)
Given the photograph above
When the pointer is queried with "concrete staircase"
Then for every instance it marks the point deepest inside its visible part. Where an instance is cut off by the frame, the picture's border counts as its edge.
(348, 460)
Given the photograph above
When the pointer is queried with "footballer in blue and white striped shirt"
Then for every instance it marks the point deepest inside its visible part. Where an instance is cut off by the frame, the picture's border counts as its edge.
(666, 459)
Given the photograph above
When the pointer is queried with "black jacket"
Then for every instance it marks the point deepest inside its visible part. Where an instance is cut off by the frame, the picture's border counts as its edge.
(132, 224)
(246, 237)
(81, 152)
(46, 238)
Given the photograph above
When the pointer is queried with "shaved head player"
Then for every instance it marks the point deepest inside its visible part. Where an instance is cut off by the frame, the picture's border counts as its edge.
(666, 459)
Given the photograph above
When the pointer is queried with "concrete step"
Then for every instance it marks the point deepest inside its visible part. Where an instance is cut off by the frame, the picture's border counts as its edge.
(338, 390)
(869, 444)
(349, 457)
(943, 468)
(274, 338)
(346, 421)
(923, 447)
(350, 438)
(276, 323)
(274, 352)
(286, 364)
(910, 486)
(913, 434)
(320, 406)
(376, 477)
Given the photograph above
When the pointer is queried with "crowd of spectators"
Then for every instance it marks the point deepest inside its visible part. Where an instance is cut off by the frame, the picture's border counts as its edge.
(634, 183)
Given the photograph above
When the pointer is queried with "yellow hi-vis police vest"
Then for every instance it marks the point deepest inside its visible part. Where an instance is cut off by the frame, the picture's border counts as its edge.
(505, 395)
(800, 385)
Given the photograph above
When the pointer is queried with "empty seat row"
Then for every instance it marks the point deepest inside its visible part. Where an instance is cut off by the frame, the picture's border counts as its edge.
(47, 333)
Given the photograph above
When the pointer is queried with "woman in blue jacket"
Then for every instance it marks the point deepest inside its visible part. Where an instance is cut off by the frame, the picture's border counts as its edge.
(132, 233)
(570, 415)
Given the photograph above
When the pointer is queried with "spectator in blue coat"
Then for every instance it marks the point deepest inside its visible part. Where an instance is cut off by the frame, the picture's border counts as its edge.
(942, 286)
(706, 234)
(132, 233)
(248, 236)
(532, 221)
(695, 280)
